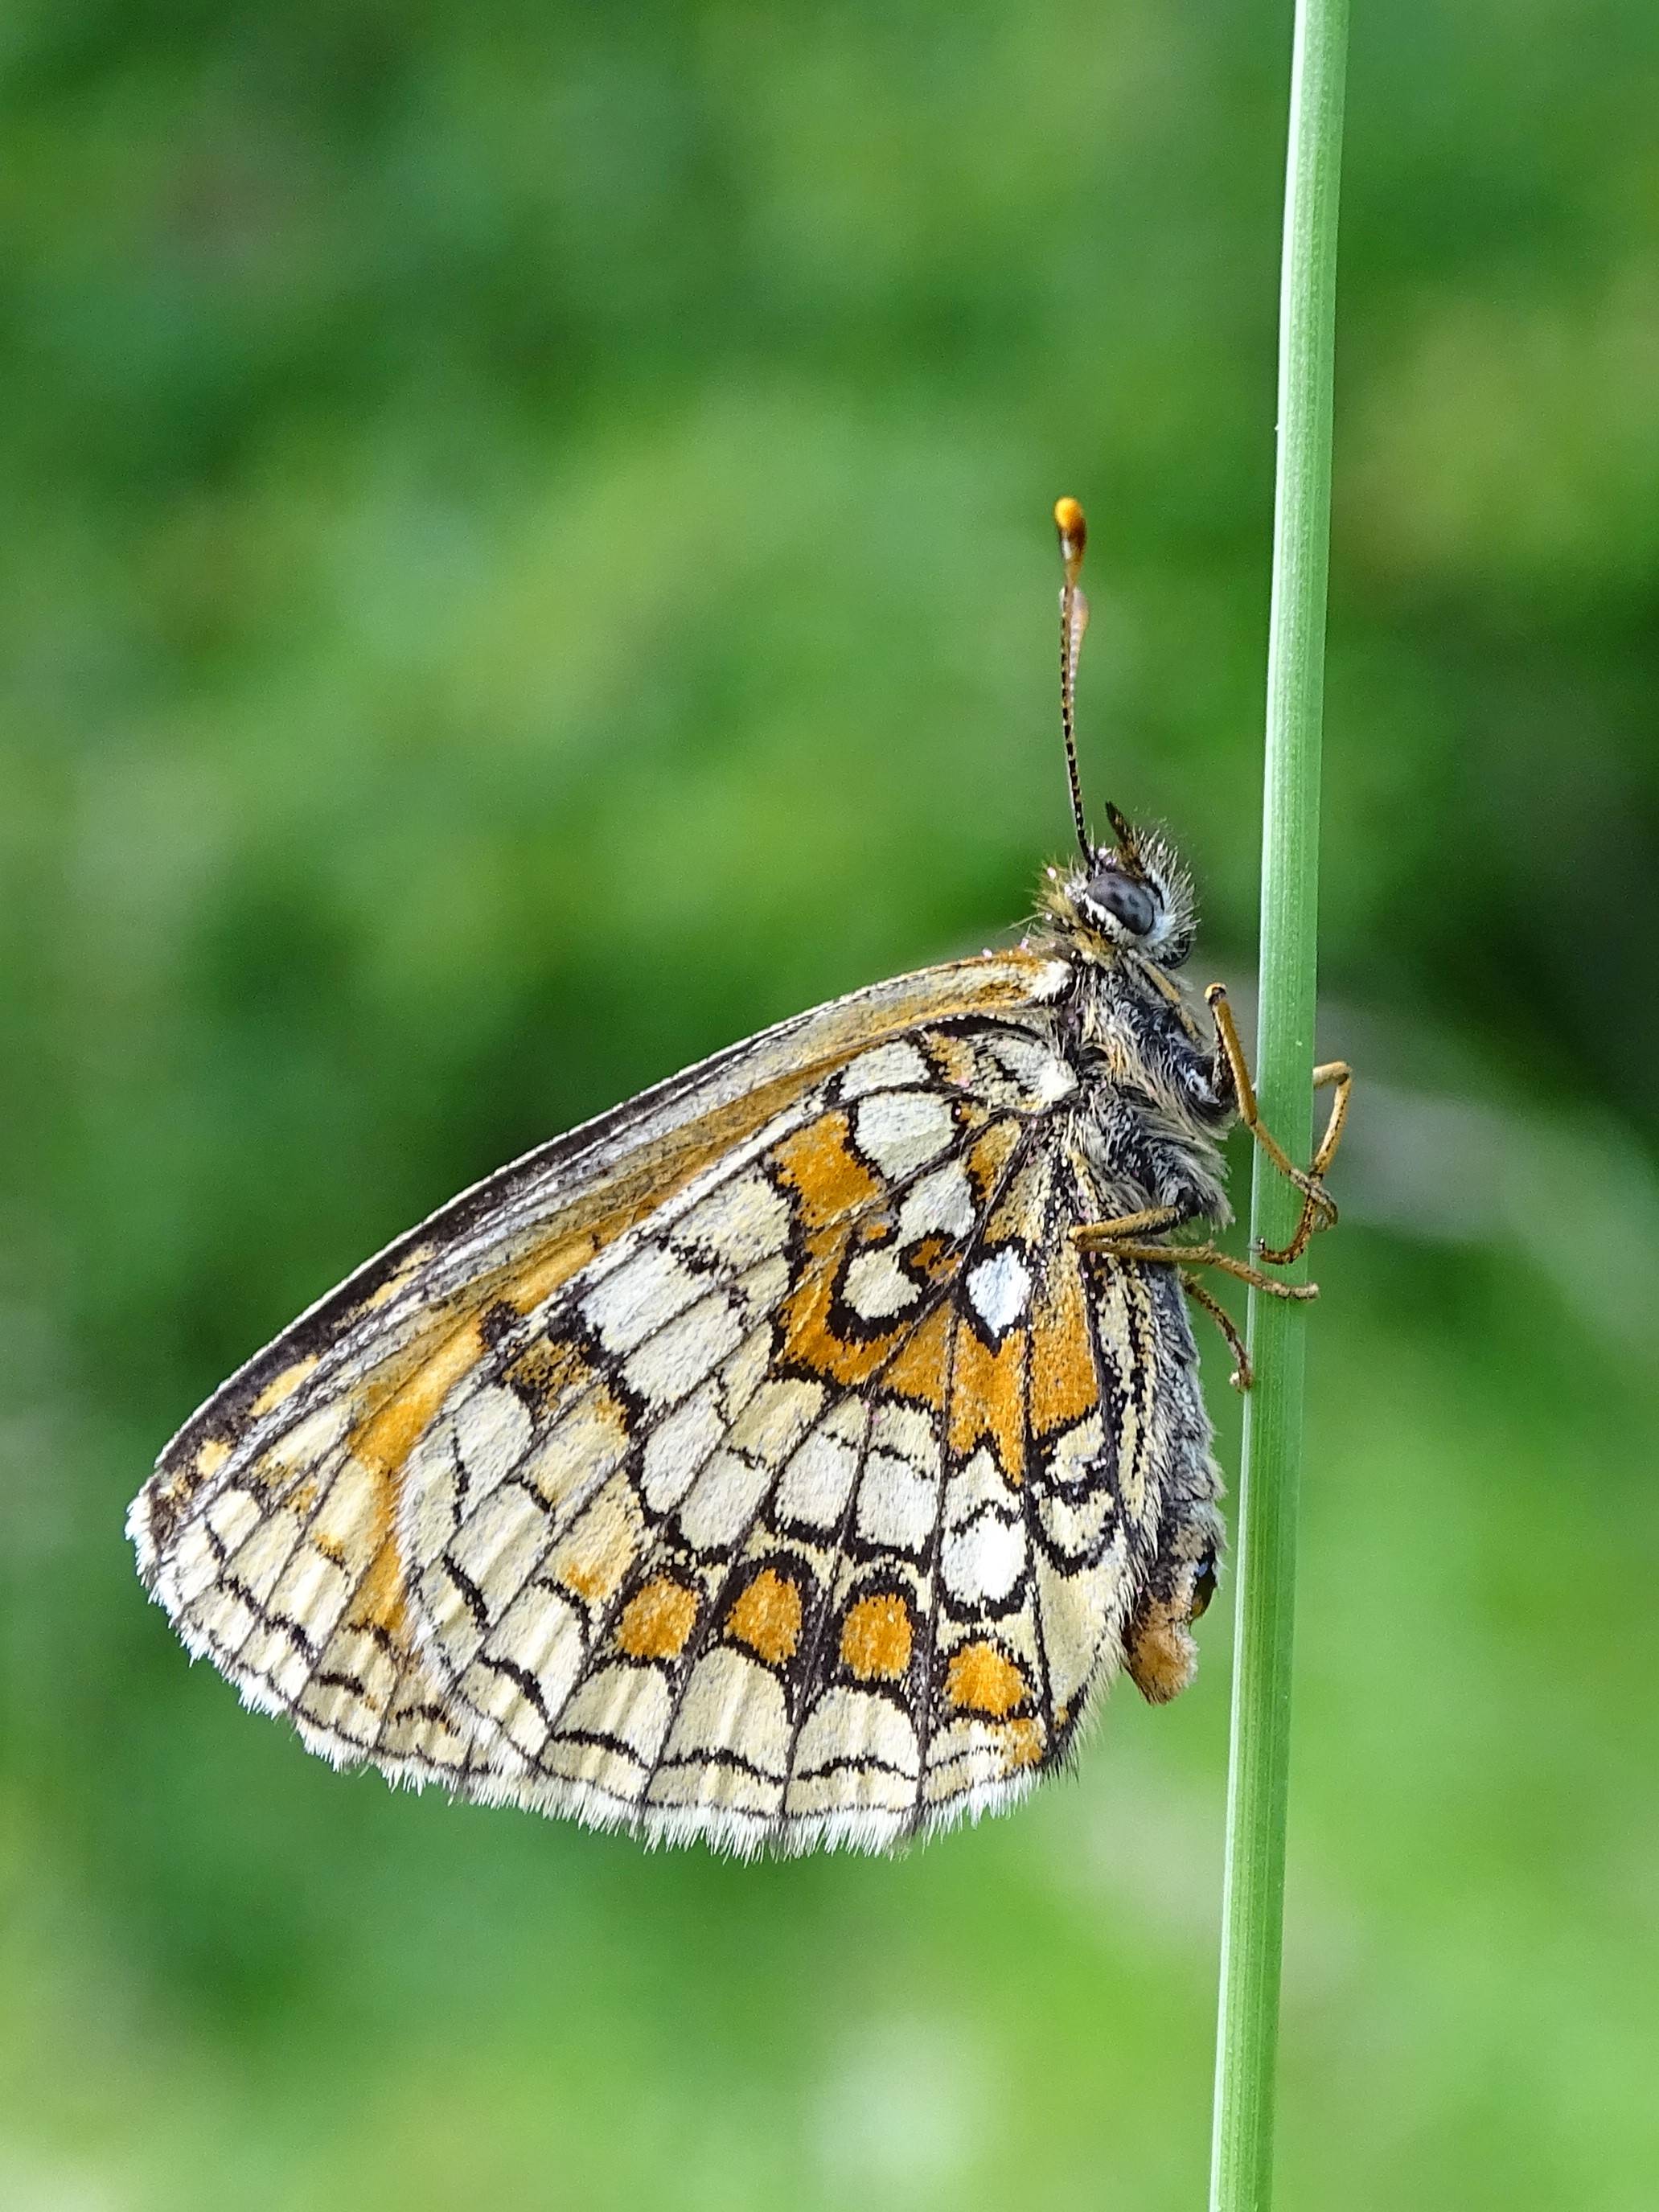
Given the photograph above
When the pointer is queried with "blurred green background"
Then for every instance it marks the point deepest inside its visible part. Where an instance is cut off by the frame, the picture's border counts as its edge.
(528, 557)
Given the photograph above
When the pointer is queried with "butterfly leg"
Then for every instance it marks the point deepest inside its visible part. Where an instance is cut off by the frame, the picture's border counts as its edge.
(1124, 1238)
(1318, 1207)
(1243, 1374)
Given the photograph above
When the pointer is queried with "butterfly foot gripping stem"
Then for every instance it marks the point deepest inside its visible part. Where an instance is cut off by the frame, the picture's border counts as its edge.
(1125, 1238)
(1318, 1206)
(1243, 1374)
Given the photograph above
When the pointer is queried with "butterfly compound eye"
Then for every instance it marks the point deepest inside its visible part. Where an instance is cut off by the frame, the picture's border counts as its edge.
(1203, 1587)
(1113, 892)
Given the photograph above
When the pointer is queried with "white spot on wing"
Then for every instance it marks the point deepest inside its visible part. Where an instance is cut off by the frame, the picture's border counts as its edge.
(543, 1633)
(498, 1547)
(314, 1591)
(887, 1068)
(876, 1287)
(723, 1501)
(999, 1289)
(849, 1724)
(1081, 1625)
(908, 1431)
(672, 1363)
(642, 1294)
(582, 1448)
(983, 1561)
(979, 1483)
(492, 1431)
(896, 1504)
(901, 1130)
(675, 1449)
(776, 1419)
(233, 1516)
(1042, 1076)
(818, 1481)
(732, 1703)
(263, 1555)
(940, 1205)
(632, 1704)
(347, 1515)
(741, 1223)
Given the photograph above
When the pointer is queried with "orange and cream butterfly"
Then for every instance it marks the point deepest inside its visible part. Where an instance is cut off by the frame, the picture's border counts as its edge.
(792, 1456)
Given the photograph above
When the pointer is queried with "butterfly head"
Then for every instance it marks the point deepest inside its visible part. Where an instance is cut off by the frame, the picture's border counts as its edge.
(1131, 897)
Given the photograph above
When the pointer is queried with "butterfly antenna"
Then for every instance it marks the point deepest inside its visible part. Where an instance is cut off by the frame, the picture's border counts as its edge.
(1073, 621)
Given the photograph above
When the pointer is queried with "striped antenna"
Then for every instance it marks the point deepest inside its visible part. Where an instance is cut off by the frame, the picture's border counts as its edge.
(1073, 621)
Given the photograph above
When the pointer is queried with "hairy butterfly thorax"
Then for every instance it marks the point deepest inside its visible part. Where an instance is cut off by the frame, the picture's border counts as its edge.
(793, 1455)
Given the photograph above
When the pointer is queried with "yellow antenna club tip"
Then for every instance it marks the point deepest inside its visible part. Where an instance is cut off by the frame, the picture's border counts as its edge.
(1073, 536)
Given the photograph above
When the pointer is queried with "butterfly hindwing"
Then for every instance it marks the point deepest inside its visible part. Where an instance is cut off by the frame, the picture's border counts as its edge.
(764, 1526)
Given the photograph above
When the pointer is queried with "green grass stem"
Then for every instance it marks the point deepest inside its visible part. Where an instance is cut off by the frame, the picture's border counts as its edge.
(1241, 2175)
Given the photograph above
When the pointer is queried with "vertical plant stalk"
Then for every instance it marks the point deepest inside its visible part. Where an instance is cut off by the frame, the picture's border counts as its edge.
(1246, 2047)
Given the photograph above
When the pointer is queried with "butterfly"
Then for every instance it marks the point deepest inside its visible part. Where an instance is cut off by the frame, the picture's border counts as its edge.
(792, 1456)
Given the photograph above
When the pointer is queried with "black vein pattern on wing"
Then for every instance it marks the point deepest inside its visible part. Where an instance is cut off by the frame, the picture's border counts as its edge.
(1132, 1388)
(466, 1718)
(260, 1440)
(803, 1674)
(929, 1687)
(559, 1319)
(337, 1320)
(806, 1678)
(375, 1337)
(256, 1442)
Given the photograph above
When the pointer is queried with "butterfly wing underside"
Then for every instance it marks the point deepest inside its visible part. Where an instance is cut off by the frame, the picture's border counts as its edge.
(763, 1464)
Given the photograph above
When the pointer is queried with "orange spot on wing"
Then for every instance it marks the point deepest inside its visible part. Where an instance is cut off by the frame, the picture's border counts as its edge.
(989, 1154)
(1065, 1388)
(988, 1392)
(767, 1617)
(809, 1341)
(875, 1638)
(827, 1176)
(982, 1680)
(1022, 1744)
(656, 1621)
(385, 1440)
(379, 1602)
(543, 1276)
(597, 1554)
(935, 1256)
(829, 1185)
(382, 1441)
(919, 1367)
(282, 1386)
